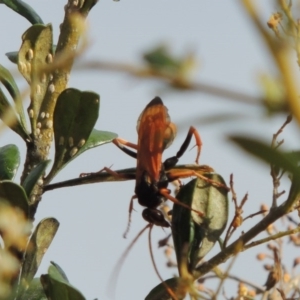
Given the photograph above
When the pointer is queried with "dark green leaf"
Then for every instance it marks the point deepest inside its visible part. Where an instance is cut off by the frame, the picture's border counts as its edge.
(35, 291)
(24, 10)
(190, 230)
(160, 292)
(12, 56)
(8, 81)
(74, 117)
(285, 161)
(14, 194)
(39, 244)
(57, 288)
(86, 6)
(34, 176)
(35, 54)
(9, 161)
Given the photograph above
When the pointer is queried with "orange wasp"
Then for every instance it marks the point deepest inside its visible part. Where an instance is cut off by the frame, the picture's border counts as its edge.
(155, 134)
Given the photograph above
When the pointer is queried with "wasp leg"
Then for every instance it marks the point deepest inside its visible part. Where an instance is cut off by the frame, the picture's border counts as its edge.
(105, 169)
(115, 174)
(172, 161)
(166, 194)
(111, 172)
(174, 175)
(192, 132)
(129, 216)
(120, 143)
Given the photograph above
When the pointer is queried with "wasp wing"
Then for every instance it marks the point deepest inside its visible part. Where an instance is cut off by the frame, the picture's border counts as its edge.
(155, 133)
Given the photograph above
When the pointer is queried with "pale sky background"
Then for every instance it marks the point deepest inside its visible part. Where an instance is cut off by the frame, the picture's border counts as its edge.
(93, 217)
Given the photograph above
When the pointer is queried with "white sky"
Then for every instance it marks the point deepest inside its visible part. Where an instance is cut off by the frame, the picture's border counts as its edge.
(93, 217)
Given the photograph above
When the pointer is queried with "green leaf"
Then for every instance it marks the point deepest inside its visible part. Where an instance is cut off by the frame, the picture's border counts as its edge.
(160, 292)
(60, 271)
(285, 161)
(14, 194)
(57, 288)
(97, 138)
(35, 291)
(9, 161)
(35, 174)
(24, 10)
(13, 56)
(39, 244)
(35, 54)
(74, 117)
(9, 117)
(189, 229)
(8, 81)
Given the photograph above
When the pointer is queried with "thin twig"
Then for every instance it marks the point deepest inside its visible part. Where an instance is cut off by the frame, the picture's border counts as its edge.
(126, 174)
(274, 172)
(116, 271)
(222, 281)
(169, 290)
(237, 220)
(272, 237)
(142, 72)
(258, 288)
(240, 243)
(255, 214)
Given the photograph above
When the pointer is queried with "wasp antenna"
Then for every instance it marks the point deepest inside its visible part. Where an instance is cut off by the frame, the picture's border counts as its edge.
(113, 279)
(169, 290)
(129, 216)
(127, 229)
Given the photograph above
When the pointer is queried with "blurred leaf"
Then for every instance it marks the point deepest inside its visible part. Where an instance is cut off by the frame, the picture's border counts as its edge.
(57, 288)
(190, 230)
(14, 194)
(32, 178)
(160, 60)
(39, 244)
(74, 117)
(10, 118)
(285, 161)
(292, 155)
(35, 291)
(9, 161)
(274, 94)
(35, 54)
(213, 119)
(24, 10)
(160, 292)
(8, 81)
